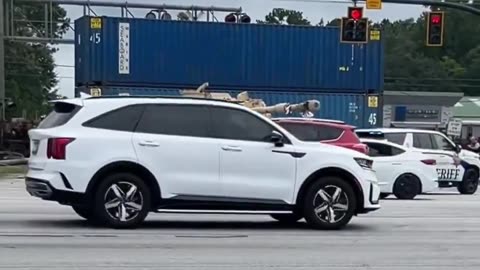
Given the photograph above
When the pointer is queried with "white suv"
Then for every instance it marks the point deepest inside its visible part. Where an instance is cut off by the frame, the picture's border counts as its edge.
(456, 167)
(115, 159)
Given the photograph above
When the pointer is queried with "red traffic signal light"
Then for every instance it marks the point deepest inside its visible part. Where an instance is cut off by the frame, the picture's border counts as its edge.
(435, 27)
(436, 18)
(355, 13)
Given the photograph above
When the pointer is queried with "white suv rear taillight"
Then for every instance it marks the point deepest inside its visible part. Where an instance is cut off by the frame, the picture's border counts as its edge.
(429, 161)
(57, 147)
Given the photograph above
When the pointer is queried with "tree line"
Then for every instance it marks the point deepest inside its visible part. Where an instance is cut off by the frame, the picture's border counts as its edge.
(30, 78)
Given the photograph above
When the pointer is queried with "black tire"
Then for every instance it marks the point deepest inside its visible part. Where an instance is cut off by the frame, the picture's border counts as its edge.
(135, 209)
(469, 184)
(84, 212)
(406, 187)
(313, 200)
(287, 218)
(384, 195)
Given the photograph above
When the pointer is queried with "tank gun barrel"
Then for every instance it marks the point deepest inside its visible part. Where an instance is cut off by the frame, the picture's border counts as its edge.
(305, 108)
(277, 108)
(309, 106)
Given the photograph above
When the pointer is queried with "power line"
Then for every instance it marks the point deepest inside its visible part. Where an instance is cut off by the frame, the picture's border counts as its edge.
(54, 65)
(35, 75)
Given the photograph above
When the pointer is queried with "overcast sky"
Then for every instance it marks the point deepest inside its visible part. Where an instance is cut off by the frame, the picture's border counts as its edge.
(313, 10)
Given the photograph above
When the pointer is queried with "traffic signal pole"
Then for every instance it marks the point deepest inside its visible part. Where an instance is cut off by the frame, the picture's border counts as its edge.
(458, 6)
(2, 67)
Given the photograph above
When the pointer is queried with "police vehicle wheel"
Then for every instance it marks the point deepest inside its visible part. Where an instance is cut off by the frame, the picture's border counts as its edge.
(406, 187)
(469, 183)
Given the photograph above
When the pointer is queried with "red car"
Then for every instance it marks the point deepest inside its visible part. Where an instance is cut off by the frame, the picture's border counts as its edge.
(322, 130)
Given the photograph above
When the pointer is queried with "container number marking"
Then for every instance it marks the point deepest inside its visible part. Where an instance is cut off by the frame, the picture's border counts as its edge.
(96, 38)
(372, 119)
(96, 23)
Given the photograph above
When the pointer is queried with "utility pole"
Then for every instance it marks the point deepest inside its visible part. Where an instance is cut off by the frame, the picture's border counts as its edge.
(2, 63)
(2, 71)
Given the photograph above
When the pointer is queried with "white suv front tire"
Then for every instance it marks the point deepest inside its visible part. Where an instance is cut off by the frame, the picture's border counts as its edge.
(330, 203)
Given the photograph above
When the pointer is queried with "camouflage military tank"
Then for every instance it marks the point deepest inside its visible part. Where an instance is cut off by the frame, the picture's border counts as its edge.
(305, 109)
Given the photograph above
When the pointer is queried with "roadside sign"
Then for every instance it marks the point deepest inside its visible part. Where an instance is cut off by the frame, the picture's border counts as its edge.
(374, 4)
(454, 127)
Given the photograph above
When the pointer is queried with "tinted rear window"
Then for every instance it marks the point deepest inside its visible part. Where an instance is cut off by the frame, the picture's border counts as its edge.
(397, 138)
(122, 119)
(171, 119)
(302, 132)
(329, 133)
(62, 112)
(383, 150)
(370, 135)
(313, 133)
(423, 141)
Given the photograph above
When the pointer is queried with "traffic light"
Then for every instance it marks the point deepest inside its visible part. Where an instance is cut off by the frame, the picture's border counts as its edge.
(355, 13)
(354, 28)
(435, 25)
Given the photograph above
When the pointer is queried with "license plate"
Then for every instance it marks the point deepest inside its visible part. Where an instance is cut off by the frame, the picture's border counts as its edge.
(35, 144)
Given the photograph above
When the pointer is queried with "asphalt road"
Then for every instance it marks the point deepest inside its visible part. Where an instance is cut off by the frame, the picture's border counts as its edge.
(437, 232)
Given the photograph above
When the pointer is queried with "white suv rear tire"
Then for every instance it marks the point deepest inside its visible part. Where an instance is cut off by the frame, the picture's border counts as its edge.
(122, 200)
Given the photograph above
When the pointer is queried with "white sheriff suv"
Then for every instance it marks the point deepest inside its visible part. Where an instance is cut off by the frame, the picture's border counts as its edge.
(456, 167)
(115, 159)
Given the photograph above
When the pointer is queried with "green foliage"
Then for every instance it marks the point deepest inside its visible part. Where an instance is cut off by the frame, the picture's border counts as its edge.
(409, 64)
(285, 16)
(30, 77)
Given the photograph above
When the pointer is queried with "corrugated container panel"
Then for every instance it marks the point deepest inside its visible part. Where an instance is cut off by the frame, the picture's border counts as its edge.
(233, 56)
(350, 108)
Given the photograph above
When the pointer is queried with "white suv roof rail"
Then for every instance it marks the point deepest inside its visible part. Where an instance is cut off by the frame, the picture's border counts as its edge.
(309, 119)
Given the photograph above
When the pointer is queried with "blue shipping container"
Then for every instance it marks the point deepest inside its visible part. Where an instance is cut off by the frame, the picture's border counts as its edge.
(360, 110)
(260, 57)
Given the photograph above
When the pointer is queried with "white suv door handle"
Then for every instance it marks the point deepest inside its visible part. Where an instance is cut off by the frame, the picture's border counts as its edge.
(149, 143)
(232, 148)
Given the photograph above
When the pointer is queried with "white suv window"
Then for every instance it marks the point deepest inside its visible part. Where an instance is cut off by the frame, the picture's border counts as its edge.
(398, 138)
(423, 141)
(383, 150)
(61, 114)
(122, 119)
(236, 124)
(175, 119)
(442, 143)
